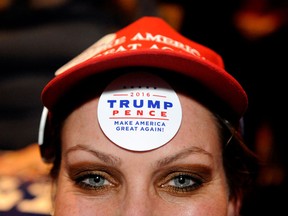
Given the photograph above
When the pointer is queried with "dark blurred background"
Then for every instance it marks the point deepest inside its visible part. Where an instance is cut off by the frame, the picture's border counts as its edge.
(39, 36)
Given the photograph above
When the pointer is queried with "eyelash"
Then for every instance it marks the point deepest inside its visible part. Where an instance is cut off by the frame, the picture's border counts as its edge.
(191, 182)
(84, 180)
(172, 183)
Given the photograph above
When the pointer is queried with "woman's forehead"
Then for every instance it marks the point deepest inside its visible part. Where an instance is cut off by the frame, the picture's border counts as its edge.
(198, 129)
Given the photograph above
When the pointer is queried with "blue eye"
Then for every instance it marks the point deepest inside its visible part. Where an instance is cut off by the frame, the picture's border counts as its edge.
(95, 180)
(182, 181)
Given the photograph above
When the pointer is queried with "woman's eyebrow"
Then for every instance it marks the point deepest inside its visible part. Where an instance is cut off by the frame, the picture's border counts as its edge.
(182, 154)
(106, 158)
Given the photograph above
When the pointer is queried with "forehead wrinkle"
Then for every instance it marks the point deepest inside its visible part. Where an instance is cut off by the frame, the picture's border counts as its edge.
(107, 158)
(186, 152)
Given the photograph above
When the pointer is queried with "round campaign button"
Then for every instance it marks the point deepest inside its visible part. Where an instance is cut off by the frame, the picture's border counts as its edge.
(139, 111)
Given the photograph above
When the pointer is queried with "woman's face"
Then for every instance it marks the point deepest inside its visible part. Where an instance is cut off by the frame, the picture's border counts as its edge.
(183, 177)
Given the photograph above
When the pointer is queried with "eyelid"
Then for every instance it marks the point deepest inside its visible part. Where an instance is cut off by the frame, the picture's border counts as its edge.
(85, 168)
(181, 173)
(201, 169)
(201, 172)
(80, 180)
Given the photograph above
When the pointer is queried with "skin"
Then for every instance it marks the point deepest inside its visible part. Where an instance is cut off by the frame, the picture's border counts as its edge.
(142, 183)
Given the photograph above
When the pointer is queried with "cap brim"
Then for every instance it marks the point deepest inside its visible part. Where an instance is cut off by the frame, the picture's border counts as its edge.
(213, 77)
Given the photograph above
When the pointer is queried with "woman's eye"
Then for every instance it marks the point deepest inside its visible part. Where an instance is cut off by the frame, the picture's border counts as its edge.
(182, 183)
(93, 181)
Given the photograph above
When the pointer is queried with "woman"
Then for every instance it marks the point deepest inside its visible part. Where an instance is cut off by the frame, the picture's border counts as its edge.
(145, 122)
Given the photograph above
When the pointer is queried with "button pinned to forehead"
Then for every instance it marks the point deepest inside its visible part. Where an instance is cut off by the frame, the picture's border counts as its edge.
(139, 111)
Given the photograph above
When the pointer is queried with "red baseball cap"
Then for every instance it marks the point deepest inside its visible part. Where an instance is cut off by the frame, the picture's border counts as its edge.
(149, 41)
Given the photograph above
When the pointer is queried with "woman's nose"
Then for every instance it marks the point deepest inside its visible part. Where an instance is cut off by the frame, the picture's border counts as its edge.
(139, 202)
